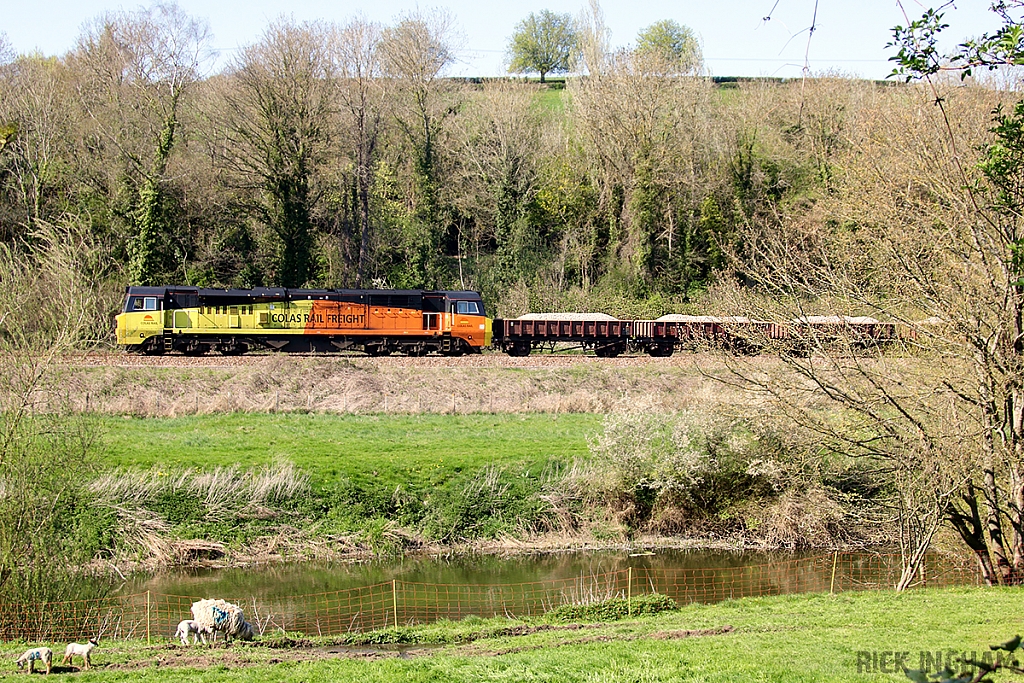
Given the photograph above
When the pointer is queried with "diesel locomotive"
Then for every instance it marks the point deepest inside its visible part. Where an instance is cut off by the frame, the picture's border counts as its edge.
(195, 321)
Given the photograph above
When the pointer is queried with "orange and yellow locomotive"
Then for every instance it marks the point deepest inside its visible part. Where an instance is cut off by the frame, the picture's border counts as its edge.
(194, 320)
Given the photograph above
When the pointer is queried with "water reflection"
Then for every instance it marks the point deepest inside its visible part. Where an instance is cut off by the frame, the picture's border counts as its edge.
(279, 580)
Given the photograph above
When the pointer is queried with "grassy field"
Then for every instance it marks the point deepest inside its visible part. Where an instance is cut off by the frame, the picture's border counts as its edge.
(437, 477)
(789, 638)
(410, 447)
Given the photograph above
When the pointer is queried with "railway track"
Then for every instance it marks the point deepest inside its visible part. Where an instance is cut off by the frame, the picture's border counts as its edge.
(485, 360)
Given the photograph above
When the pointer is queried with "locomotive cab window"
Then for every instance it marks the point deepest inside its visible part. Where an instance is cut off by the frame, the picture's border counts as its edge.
(143, 303)
(467, 307)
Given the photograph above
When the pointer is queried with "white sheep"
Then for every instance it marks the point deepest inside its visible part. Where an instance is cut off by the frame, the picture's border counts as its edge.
(36, 654)
(79, 650)
(218, 615)
(190, 627)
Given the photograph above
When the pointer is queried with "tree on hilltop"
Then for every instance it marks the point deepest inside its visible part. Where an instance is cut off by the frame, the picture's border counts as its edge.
(669, 46)
(543, 43)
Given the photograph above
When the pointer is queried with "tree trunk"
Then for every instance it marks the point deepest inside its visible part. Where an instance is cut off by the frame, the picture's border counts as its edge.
(363, 190)
(968, 525)
(995, 528)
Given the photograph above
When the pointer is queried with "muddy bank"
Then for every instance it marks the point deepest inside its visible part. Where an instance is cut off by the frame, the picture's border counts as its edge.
(269, 551)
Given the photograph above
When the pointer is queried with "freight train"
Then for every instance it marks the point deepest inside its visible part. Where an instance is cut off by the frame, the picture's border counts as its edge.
(195, 321)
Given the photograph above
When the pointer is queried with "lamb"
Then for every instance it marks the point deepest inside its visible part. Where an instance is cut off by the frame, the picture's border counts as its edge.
(218, 615)
(191, 627)
(78, 650)
(37, 654)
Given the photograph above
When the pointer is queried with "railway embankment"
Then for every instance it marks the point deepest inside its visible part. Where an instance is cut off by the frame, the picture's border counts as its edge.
(493, 383)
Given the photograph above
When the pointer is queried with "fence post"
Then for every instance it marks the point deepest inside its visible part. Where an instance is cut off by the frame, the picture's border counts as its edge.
(149, 639)
(394, 598)
(832, 586)
(629, 592)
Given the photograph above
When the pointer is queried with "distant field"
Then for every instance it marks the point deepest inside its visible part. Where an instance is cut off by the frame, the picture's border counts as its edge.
(410, 447)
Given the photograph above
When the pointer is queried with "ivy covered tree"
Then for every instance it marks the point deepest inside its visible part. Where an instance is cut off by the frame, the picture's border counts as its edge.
(542, 43)
(278, 130)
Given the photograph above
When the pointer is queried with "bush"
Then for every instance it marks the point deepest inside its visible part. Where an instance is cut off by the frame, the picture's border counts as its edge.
(492, 501)
(699, 463)
(614, 609)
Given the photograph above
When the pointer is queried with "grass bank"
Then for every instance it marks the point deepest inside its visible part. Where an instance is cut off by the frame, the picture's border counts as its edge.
(173, 386)
(246, 486)
(785, 638)
(327, 484)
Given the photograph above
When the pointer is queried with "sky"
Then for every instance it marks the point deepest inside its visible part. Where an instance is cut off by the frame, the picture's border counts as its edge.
(739, 37)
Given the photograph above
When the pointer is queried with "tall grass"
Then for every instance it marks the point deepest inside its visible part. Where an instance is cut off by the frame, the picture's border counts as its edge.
(217, 491)
(148, 508)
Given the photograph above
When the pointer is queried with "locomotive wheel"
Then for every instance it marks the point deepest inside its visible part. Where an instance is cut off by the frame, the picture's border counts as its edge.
(154, 346)
(457, 348)
(233, 349)
(195, 349)
(377, 350)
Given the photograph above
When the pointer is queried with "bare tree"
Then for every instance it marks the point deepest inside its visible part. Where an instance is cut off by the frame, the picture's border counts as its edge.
(134, 70)
(648, 138)
(7, 53)
(899, 239)
(362, 95)
(415, 51)
(49, 298)
(38, 146)
(497, 171)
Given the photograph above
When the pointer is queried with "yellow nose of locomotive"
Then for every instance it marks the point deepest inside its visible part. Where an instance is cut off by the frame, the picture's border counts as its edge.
(122, 328)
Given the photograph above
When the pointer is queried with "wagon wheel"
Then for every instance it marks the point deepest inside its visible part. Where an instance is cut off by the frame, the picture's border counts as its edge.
(518, 349)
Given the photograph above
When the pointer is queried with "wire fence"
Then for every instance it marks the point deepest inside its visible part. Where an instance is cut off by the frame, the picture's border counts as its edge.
(395, 603)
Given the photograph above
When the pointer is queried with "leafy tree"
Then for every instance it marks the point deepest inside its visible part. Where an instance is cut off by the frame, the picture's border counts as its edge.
(669, 47)
(543, 43)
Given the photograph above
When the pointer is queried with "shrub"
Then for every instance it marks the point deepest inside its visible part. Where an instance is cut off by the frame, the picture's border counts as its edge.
(613, 609)
(492, 501)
